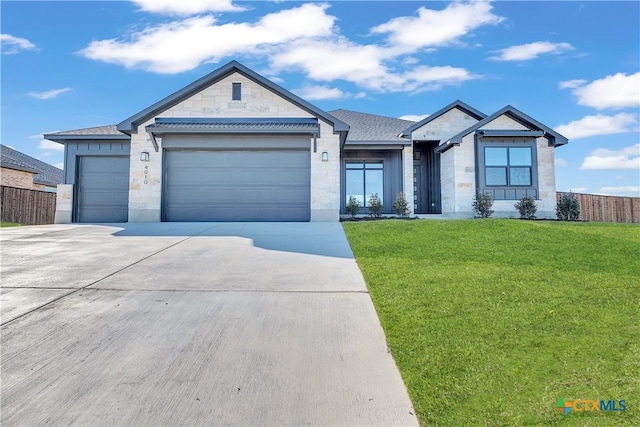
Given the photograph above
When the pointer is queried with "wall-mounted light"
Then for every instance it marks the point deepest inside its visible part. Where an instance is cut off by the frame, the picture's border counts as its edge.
(144, 156)
(325, 156)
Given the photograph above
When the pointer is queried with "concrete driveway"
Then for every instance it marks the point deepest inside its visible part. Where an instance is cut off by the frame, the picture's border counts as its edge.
(191, 324)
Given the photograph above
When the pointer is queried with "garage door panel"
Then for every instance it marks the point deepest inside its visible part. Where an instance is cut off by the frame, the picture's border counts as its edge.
(103, 189)
(237, 185)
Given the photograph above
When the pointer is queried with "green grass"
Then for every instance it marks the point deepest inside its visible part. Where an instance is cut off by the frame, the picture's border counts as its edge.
(9, 224)
(491, 321)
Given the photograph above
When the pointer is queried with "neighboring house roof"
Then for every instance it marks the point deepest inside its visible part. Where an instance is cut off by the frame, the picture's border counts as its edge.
(132, 122)
(223, 125)
(44, 172)
(479, 115)
(9, 163)
(371, 128)
(554, 137)
(98, 132)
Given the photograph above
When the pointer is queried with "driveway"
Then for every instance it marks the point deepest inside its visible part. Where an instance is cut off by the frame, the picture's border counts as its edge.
(191, 324)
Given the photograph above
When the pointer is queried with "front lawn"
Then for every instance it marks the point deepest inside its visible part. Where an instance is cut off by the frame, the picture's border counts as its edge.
(9, 224)
(492, 321)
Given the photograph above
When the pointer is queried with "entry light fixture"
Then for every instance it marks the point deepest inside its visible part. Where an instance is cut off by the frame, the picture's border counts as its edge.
(144, 156)
(325, 156)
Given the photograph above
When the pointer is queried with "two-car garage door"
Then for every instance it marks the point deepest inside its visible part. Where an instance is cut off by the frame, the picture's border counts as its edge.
(251, 184)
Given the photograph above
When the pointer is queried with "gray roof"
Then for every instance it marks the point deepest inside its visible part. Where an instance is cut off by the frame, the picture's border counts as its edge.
(554, 137)
(45, 173)
(132, 122)
(98, 132)
(221, 125)
(364, 127)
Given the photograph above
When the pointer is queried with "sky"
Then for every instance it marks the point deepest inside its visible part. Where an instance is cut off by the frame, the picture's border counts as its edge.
(574, 65)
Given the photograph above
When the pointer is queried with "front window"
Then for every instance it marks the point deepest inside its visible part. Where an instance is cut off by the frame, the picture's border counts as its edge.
(364, 179)
(508, 166)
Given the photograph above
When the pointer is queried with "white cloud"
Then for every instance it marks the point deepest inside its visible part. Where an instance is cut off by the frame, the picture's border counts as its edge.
(49, 94)
(571, 84)
(525, 52)
(634, 189)
(161, 49)
(59, 165)
(599, 125)
(437, 27)
(604, 158)
(45, 144)
(305, 38)
(578, 189)
(11, 45)
(319, 92)
(616, 91)
(561, 162)
(187, 7)
(414, 117)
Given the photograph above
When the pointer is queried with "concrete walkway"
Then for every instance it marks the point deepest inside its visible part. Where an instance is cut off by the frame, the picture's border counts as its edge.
(191, 324)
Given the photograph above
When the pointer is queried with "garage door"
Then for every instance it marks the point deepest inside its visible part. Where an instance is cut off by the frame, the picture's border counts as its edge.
(102, 189)
(242, 185)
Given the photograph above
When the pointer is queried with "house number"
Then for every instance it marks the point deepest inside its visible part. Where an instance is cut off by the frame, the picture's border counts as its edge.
(146, 174)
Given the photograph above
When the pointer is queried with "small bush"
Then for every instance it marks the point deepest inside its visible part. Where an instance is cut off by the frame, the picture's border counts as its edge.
(353, 206)
(401, 206)
(375, 206)
(568, 208)
(482, 204)
(527, 207)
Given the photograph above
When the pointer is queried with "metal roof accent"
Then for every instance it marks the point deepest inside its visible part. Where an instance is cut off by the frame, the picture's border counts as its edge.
(509, 132)
(554, 137)
(44, 172)
(98, 132)
(367, 128)
(466, 108)
(222, 125)
(131, 123)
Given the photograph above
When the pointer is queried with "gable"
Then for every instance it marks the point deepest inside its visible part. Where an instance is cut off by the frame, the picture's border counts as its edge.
(444, 126)
(211, 96)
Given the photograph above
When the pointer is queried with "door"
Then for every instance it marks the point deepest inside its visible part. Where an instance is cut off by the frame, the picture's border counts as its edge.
(102, 190)
(237, 185)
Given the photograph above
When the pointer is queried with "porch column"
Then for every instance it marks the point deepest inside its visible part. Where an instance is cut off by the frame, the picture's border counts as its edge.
(407, 175)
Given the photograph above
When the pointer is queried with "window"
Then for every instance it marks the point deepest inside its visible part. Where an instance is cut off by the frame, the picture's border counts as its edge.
(364, 179)
(236, 94)
(508, 166)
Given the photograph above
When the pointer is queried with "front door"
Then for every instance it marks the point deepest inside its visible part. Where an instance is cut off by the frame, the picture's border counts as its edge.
(426, 180)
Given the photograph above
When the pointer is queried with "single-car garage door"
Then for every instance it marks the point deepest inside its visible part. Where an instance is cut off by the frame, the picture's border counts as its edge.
(237, 185)
(102, 189)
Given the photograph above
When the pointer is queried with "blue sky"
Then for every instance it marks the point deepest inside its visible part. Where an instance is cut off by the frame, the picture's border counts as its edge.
(574, 66)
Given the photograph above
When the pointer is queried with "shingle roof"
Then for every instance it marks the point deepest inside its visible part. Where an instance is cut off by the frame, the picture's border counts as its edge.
(366, 127)
(45, 173)
(98, 131)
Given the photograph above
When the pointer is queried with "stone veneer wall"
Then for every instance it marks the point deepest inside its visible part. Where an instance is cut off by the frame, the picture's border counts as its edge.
(215, 102)
(459, 174)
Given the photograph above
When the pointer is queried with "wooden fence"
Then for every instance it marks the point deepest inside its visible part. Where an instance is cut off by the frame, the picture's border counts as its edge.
(607, 208)
(27, 206)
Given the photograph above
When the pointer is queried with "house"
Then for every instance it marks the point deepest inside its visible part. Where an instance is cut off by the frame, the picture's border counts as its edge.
(22, 171)
(234, 146)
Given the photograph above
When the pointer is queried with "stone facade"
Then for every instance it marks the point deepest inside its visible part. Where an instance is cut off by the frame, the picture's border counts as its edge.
(458, 176)
(15, 178)
(215, 102)
(444, 127)
(64, 204)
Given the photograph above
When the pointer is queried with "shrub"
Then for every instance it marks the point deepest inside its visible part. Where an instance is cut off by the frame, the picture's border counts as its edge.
(375, 206)
(527, 207)
(568, 208)
(482, 205)
(401, 206)
(353, 206)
